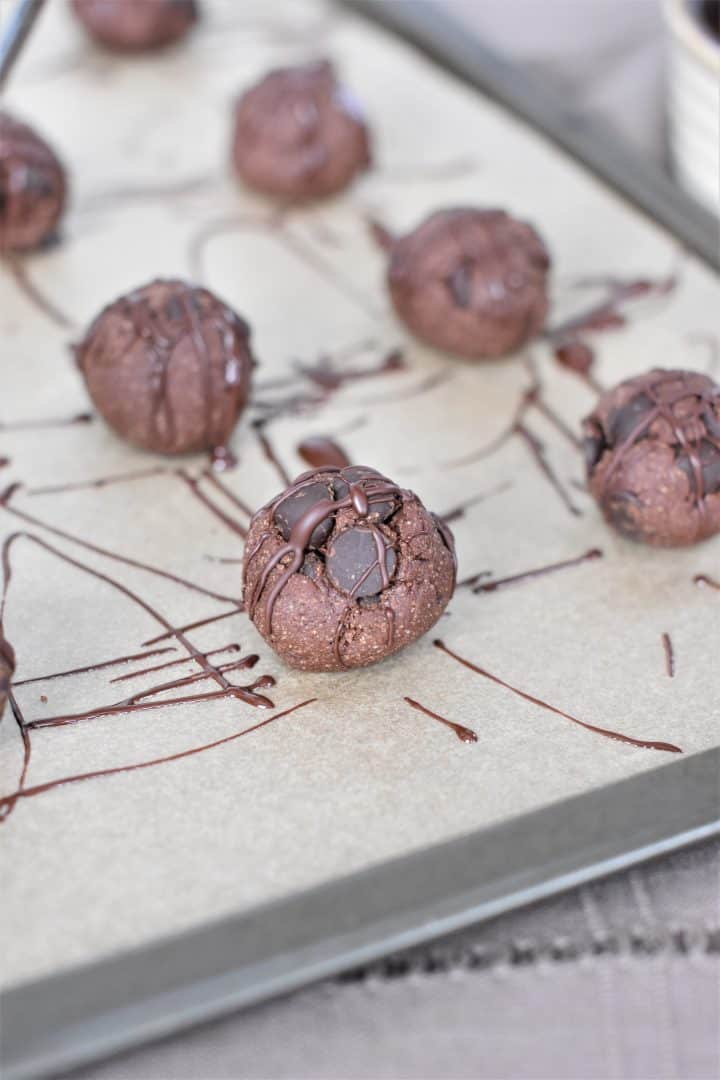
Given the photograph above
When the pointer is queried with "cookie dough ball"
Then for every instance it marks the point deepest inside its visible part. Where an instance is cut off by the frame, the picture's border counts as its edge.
(136, 25)
(299, 134)
(652, 446)
(168, 367)
(344, 568)
(32, 187)
(7, 669)
(471, 282)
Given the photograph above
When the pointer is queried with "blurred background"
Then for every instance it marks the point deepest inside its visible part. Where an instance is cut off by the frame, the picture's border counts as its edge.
(649, 68)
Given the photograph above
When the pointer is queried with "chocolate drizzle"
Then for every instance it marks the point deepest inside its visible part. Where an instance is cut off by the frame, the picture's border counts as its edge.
(675, 409)
(464, 734)
(606, 732)
(669, 655)
(703, 579)
(570, 349)
(22, 792)
(142, 700)
(528, 575)
(531, 398)
(141, 338)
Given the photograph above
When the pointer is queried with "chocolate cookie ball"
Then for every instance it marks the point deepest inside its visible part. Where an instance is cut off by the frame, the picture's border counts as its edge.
(168, 366)
(32, 187)
(470, 282)
(7, 669)
(652, 448)
(299, 134)
(136, 25)
(344, 568)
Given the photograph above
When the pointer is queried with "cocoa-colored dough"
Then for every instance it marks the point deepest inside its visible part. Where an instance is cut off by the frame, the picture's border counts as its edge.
(652, 447)
(32, 187)
(470, 282)
(136, 25)
(168, 367)
(371, 572)
(299, 134)
(7, 669)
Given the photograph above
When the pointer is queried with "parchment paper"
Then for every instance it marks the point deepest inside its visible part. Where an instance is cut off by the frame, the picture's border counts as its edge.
(98, 866)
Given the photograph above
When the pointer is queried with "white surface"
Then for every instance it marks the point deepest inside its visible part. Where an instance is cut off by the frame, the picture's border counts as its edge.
(358, 777)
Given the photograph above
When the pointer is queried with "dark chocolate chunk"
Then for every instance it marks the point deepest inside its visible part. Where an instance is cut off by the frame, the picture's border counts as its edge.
(295, 505)
(354, 564)
(624, 421)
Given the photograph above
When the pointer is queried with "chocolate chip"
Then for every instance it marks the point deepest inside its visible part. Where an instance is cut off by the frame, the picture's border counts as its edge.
(460, 282)
(709, 457)
(174, 308)
(312, 566)
(618, 508)
(622, 422)
(291, 509)
(380, 507)
(352, 562)
(594, 444)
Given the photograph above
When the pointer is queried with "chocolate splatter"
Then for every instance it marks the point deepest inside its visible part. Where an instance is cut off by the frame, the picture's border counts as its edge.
(539, 571)
(464, 734)
(606, 732)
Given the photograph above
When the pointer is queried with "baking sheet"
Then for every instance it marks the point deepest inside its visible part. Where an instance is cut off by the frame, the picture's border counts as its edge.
(356, 778)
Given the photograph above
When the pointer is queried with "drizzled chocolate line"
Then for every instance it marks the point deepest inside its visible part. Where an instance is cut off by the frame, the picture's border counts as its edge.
(8, 804)
(100, 481)
(687, 389)
(137, 702)
(38, 425)
(424, 386)
(97, 550)
(231, 496)
(194, 485)
(116, 662)
(517, 428)
(269, 452)
(461, 509)
(113, 583)
(608, 314)
(464, 734)
(40, 302)
(703, 579)
(8, 801)
(606, 732)
(275, 225)
(233, 647)
(238, 609)
(540, 571)
(191, 482)
(537, 450)
(669, 655)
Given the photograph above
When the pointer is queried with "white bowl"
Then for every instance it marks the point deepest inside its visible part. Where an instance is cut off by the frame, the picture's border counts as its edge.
(694, 101)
